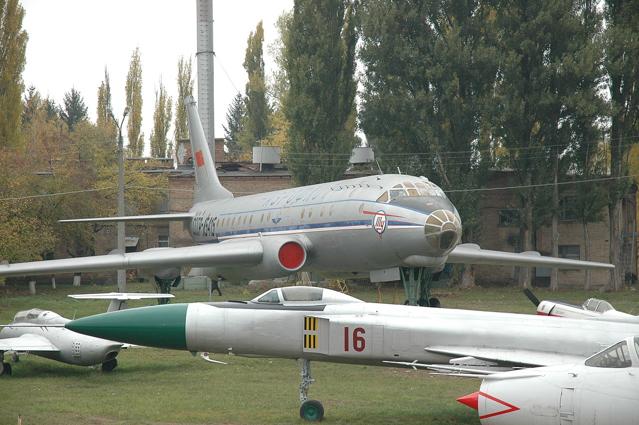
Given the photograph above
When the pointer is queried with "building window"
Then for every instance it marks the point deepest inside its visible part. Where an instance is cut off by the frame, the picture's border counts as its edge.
(509, 217)
(567, 210)
(163, 241)
(572, 252)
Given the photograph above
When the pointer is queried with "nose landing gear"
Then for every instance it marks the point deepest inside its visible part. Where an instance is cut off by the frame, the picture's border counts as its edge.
(310, 410)
(109, 365)
(417, 283)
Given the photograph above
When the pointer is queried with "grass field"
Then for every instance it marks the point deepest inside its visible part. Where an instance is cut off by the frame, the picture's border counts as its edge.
(171, 387)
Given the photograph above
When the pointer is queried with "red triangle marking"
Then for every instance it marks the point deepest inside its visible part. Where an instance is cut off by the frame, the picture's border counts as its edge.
(509, 407)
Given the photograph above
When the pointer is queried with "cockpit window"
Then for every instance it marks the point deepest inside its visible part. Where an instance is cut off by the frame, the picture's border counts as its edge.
(600, 306)
(271, 297)
(383, 198)
(302, 293)
(411, 189)
(617, 356)
(397, 193)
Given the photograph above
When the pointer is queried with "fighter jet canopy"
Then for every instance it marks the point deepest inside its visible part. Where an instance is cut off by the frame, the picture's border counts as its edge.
(303, 295)
(35, 315)
(621, 355)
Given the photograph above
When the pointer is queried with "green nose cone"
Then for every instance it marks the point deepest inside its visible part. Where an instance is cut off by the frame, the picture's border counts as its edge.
(160, 326)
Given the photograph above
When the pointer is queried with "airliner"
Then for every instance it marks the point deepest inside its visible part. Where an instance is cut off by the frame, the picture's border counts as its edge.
(343, 228)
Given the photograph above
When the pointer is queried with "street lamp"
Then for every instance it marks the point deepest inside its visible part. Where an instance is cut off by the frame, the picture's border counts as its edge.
(121, 248)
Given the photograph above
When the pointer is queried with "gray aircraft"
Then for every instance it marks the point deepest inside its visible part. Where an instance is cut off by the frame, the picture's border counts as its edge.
(311, 323)
(42, 333)
(400, 224)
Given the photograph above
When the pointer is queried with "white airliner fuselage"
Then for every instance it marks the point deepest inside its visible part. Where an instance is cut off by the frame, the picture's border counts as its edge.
(343, 228)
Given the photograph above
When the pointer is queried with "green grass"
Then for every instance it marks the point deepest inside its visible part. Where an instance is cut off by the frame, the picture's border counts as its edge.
(171, 387)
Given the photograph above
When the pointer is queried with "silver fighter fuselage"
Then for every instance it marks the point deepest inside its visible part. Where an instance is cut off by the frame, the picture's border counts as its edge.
(371, 333)
(66, 346)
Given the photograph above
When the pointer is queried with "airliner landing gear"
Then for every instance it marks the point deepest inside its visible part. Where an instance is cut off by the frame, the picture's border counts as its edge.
(109, 365)
(417, 282)
(310, 410)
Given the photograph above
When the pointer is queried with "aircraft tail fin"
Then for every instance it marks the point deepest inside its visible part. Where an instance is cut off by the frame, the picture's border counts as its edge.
(209, 187)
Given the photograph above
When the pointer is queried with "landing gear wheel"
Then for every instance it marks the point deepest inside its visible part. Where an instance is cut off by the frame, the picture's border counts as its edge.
(312, 410)
(434, 302)
(6, 369)
(109, 365)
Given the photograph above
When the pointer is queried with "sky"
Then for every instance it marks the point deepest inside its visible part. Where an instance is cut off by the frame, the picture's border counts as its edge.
(72, 41)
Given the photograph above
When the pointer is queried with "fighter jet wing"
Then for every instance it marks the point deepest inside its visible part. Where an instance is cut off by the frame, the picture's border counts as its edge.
(473, 254)
(27, 342)
(504, 357)
(244, 252)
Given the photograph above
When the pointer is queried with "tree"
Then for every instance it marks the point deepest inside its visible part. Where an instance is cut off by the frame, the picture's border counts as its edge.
(32, 104)
(74, 109)
(622, 66)
(547, 71)
(104, 108)
(235, 119)
(134, 102)
(256, 127)
(320, 104)
(430, 77)
(161, 123)
(13, 44)
(185, 88)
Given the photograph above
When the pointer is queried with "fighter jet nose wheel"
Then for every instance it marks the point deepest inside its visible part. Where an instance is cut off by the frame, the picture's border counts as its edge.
(6, 369)
(312, 410)
(109, 365)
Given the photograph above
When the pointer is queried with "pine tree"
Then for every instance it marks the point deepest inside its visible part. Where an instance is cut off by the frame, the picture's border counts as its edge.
(161, 123)
(257, 109)
(184, 88)
(235, 119)
(74, 109)
(320, 105)
(13, 44)
(134, 103)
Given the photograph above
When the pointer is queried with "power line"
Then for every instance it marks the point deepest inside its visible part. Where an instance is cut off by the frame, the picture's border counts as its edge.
(50, 195)
(485, 189)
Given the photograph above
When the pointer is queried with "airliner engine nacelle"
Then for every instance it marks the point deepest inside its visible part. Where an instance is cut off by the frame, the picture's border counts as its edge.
(282, 256)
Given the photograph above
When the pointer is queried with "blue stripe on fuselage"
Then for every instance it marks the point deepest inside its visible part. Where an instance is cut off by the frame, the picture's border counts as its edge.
(334, 224)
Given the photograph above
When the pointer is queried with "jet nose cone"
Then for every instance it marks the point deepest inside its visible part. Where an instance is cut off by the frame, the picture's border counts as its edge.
(160, 326)
(470, 400)
(443, 229)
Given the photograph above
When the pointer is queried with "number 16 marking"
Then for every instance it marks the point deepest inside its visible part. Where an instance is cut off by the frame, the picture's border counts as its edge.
(359, 342)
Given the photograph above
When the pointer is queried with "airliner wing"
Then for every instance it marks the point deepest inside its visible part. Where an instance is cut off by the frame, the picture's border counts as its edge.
(244, 252)
(27, 342)
(473, 254)
(151, 217)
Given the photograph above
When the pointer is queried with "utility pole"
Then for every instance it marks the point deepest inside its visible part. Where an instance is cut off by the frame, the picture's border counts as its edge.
(121, 228)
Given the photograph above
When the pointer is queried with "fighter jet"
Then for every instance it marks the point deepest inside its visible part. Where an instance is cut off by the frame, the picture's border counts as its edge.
(311, 323)
(344, 228)
(592, 308)
(601, 390)
(42, 332)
